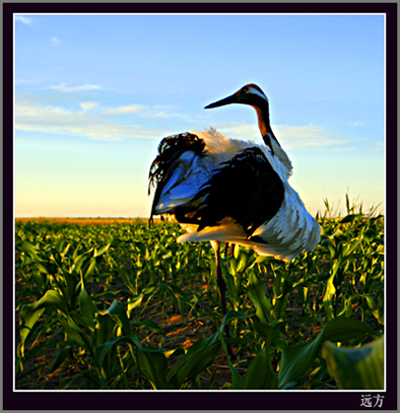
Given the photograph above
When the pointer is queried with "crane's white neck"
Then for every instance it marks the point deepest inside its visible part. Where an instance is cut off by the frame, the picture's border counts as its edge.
(282, 156)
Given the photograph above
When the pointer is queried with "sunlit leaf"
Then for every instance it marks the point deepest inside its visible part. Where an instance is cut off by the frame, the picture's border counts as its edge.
(118, 313)
(359, 368)
(298, 359)
(100, 251)
(73, 331)
(28, 317)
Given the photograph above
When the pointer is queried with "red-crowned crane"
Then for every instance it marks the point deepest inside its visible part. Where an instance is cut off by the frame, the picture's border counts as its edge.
(222, 189)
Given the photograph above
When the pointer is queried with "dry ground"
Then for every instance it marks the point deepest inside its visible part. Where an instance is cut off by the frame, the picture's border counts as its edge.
(85, 221)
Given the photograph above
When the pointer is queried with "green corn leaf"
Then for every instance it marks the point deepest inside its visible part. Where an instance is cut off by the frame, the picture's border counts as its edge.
(271, 334)
(41, 266)
(102, 350)
(259, 374)
(40, 282)
(350, 218)
(64, 253)
(125, 277)
(63, 348)
(102, 250)
(75, 253)
(257, 294)
(373, 307)
(72, 330)
(150, 290)
(79, 260)
(179, 352)
(51, 298)
(228, 274)
(359, 368)
(306, 320)
(150, 324)
(280, 306)
(237, 379)
(134, 302)
(87, 308)
(232, 315)
(30, 313)
(178, 293)
(297, 360)
(56, 257)
(28, 317)
(152, 364)
(198, 357)
(104, 329)
(117, 312)
(91, 267)
(329, 292)
(345, 329)
(246, 259)
(27, 248)
(70, 291)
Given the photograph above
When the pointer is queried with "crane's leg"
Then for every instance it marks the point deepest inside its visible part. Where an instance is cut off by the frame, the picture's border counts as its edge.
(228, 249)
(221, 290)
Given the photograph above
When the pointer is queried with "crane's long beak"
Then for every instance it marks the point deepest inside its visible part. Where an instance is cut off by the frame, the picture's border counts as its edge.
(223, 102)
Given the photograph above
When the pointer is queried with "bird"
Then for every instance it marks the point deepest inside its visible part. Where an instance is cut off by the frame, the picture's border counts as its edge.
(233, 191)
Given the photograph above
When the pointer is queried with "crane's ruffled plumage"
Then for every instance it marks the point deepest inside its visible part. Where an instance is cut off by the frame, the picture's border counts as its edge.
(223, 189)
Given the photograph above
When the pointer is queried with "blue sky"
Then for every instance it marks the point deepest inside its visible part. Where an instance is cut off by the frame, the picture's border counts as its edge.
(94, 95)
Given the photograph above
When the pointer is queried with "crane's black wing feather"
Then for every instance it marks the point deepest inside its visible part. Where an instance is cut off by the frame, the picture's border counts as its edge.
(169, 150)
(245, 188)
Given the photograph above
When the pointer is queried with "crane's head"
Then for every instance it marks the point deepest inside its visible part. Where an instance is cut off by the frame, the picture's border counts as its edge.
(250, 94)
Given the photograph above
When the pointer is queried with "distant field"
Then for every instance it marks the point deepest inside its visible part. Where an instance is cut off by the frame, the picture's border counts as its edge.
(86, 221)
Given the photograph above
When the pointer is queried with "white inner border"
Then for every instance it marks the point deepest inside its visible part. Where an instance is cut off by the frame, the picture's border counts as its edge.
(202, 14)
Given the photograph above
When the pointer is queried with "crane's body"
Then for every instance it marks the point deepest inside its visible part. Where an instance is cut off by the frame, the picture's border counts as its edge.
(222, 189)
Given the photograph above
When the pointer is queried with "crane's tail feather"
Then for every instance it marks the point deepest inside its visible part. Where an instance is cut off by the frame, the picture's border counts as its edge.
(229, 231)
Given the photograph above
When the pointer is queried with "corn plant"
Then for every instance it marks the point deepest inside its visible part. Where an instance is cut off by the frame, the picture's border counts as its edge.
(124, 306)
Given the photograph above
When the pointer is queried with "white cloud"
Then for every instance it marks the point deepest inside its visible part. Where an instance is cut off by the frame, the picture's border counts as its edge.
(123, 110)
(158, 115)
(35, 117)
(55, 41)
(80, 88)
(289, 136)
(379, 147)
(306, 136)
(25, 20)
(88, 105)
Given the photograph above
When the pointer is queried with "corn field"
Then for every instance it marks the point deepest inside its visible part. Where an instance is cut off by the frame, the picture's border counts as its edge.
(124, 306)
